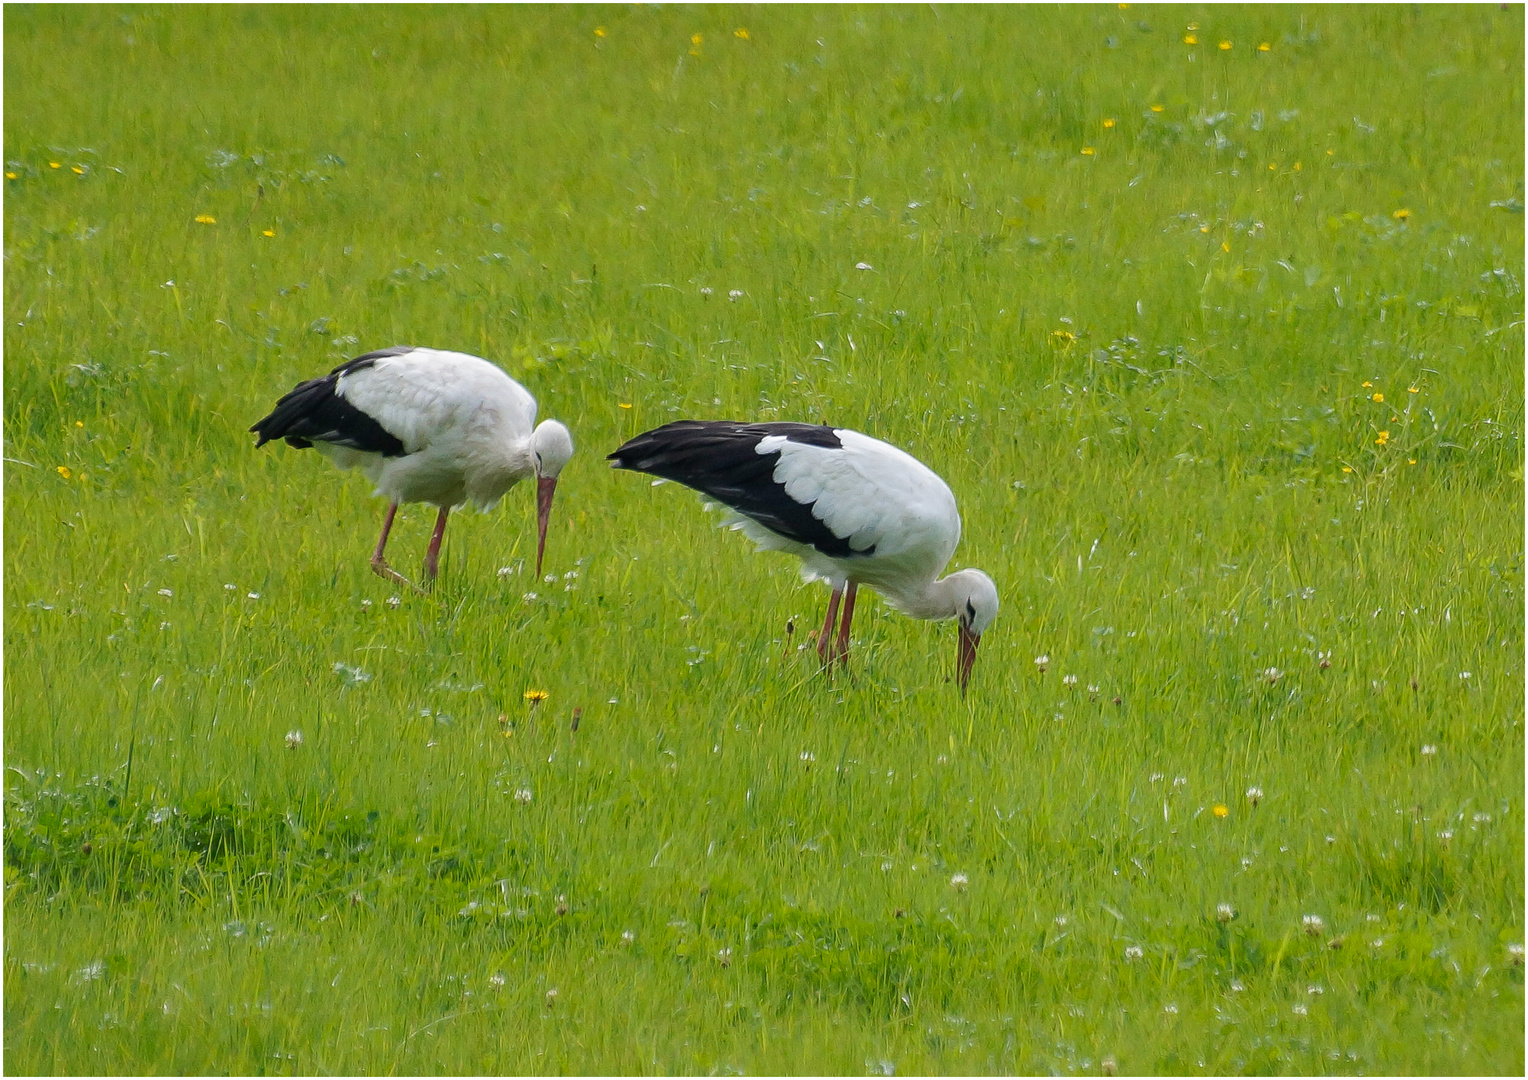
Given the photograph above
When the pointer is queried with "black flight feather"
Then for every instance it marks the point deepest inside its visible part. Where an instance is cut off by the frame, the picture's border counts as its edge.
(720, 458)
(314, 412)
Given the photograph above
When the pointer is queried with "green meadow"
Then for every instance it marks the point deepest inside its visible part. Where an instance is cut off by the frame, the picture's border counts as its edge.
(1211, 317)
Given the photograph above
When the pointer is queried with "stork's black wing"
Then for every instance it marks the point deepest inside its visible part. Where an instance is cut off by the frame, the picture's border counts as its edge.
(314, 412)
(720, 458)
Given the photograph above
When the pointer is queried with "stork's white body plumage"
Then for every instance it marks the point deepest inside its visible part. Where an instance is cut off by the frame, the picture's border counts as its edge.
(426, 425)
(855, 510)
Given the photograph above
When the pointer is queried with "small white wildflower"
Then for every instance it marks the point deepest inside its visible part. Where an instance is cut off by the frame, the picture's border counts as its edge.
(1515, 952)
(1042, 660)
(496, 980)
(808, 756)
(523, 795)
(394, 602)
(734, 294)
(1254, 795)
(863, 266)
(551, 996)
(506, 571)
(1480, 817)
(365, 605)
(164, 626)
(293, 740)
(1068, 680)
(1446, 835)
(705, 290)
(1314, 925)
(1272, 674)
(1224, 913)
(628, 937)
(528, 597)
(1330, 839)
(231, 587)
(1062, 920)
(887, 865)
(1179, 781)
(1134, 952)
(1092, 688)
(1170, 1009)
(724, 956)
(1156, 778)
(1377, 943)
(254, 596)
(958, 882)
(1465, 675)
(1299, 1008)
(1428, 750)
(166, 592)
(1314, 990)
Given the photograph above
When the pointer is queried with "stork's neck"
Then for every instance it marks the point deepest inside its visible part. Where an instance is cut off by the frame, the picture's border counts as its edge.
(938, 600)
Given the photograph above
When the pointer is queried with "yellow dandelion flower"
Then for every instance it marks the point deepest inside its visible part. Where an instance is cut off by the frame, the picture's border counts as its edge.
(1377, 396)
(536, 697)
(1223, 46)
(1402, 214)
(1329, 153)
(1384, 437)
(1225, 246)
(1412, 390)
(1204, 228)
(599, 31)
(1367, 384)
(76, 170)
(63, 470)
(206, 219)
(1122, 7)
(1221, 810)
(1347, 468)
(1190, 39)
(79, 423)
(1108, 121)
(10, 176)
(1157, 108)
(1411, 461)
(267, 232)
(741, 32)
(1263, 46)
(54, 165)
(624, 404)
(696, 39)
(1296, 166)
(1273, 166)
(1088, 150)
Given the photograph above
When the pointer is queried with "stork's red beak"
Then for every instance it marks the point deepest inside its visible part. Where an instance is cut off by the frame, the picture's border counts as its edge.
(967, 658)
(545, 487)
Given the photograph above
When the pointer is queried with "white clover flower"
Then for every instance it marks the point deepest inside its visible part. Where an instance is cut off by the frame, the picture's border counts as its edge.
(959, 881)
(863, 266)
(1134, 952)
(1254, 794)
(724, 956)
(1092, 688)
(1068, 680)
(1170, 1009)
(734, 294)
(1429, 749)
(1042, 660)
(523, 795)
(1237, 986)
(1062, 920)
(628, 937)
(166, 592)
(1515, 952)
(551, 996)
(231, 587)
(1224, 913)
(1465, 675)
(293, 740)
(1272, 674)
(705, 290)
(1314, 925)
(496, 980)
(254, 596)
(394, 601)
(1299, 1009)
(1314, 990)
(808, 756)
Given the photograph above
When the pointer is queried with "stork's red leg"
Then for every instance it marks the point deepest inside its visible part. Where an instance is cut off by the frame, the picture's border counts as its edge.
(432, 555)
(841, 649)
(826, 636)
(378, 563)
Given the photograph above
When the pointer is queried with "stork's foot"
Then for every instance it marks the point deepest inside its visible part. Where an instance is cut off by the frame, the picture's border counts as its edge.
(382, 570)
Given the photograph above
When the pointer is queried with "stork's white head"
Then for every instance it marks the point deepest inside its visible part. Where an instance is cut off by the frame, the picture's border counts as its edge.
(975, 599)
(552, 446)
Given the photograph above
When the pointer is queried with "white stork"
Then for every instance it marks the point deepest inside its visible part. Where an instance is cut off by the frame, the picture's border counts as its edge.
(426, 425)
(853, 509)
